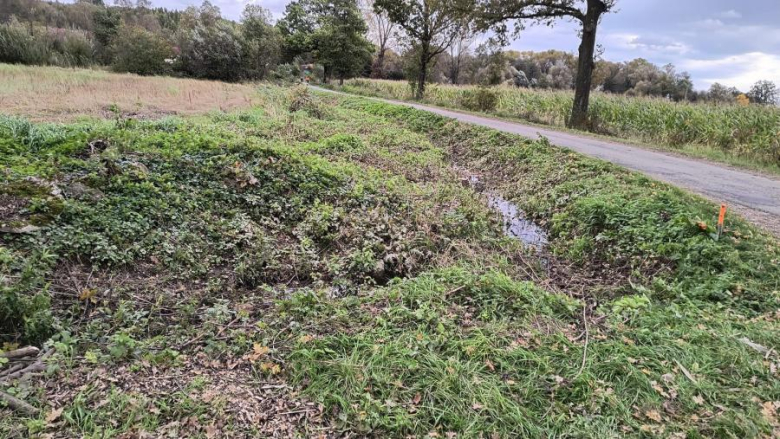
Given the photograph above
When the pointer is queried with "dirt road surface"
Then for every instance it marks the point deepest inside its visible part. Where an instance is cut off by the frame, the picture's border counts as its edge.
(755, 196)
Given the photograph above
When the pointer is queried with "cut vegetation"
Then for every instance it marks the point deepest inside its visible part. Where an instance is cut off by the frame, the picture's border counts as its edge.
(325, 267)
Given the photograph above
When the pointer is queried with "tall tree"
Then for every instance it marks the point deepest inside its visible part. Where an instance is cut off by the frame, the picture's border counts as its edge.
(431, 27)
(262, 41)
(339, 43)
(381, 31)
(332, 32)
(296, 27)
(495, 13)
(764, 93)
(458, 49)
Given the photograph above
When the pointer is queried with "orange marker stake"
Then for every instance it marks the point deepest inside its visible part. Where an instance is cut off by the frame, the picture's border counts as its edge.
(721, 219)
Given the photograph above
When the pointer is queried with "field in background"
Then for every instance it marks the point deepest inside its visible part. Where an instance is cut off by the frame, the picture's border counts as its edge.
(62, 94)
(746, 136)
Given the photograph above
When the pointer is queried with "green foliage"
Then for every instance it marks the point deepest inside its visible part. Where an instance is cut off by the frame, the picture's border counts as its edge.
(332, 33)
(479, 99)
(339, 44)
(64, 48)
(137, 50)
(262, 42)
(286, 74)
(212, 51)
(630, 305)
(18, 46)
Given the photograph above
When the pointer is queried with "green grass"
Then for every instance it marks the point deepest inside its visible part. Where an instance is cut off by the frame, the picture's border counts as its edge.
(741, 136)
(223, 274)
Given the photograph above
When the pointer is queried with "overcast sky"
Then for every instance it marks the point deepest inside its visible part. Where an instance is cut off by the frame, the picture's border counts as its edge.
(734, 42)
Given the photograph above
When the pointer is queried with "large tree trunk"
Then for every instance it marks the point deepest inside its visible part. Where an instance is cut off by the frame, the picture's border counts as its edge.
(422, 76)
(377, 70)
(579, 111)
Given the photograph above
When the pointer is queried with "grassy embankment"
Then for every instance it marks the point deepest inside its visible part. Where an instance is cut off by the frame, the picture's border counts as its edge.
(316, 265)
(743, 136)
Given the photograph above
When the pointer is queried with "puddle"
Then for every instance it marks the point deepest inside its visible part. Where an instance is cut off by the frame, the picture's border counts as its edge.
(516, 224)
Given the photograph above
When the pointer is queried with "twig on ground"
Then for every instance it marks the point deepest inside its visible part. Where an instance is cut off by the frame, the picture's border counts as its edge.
(755, 346)
(22, 352)
(587, 340)
(38, 366)
(685, 371)
(17, 404)
(454, 290)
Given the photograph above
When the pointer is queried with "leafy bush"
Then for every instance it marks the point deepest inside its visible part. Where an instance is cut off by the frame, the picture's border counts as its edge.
(479, 99)
(302, 100)
(136, 50)
(212, 52)
(75, 49)
(286, 73)
(17, 46)
(65, 48)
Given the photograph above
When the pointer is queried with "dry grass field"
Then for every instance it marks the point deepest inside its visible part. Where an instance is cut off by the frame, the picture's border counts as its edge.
(73, 93)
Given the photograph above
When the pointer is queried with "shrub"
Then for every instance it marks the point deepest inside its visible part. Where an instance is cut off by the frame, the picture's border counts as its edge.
(17, 46)
(76, 49)
(479, 99)
(44, 47)
(137, 50)
(286, 73)
(213, 52)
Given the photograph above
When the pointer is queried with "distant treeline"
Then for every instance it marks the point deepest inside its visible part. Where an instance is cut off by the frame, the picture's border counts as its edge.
(138, 38)
(556, 70)
(331, 35)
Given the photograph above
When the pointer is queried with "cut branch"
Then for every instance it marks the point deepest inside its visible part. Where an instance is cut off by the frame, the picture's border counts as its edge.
(29, 351)
(17, 404)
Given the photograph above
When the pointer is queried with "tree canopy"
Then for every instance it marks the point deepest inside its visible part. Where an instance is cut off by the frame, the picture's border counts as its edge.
(430, 26)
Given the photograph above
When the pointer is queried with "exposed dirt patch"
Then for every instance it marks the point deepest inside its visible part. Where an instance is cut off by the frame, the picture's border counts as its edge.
(11, 207)
(229, 402)
(148, 113)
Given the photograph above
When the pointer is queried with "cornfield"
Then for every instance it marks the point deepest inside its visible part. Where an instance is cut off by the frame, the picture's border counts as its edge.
(747, 132)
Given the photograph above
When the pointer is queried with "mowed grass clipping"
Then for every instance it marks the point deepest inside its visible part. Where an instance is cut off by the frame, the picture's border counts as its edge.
(63, 95)
(316, 265)
(741, 135)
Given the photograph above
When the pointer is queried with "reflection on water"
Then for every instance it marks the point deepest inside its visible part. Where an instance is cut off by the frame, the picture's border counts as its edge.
(516, 224)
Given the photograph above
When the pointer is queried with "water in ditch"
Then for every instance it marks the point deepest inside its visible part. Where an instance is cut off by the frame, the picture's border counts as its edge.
(516, 223)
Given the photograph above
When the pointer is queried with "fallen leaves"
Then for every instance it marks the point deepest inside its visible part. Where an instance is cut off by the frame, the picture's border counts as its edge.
(54, 415)
(653, 415)
(258, 351)
(88, 294)
(769, 410)
(270, 368)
